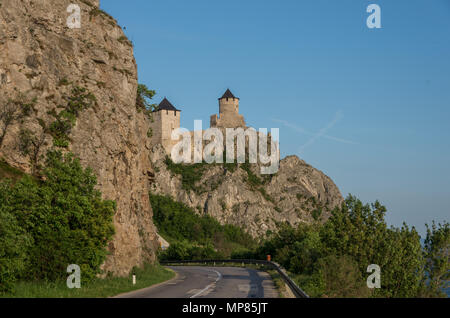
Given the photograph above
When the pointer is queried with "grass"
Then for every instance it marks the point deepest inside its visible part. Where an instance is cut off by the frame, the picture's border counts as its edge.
(279, 283)
(99, 288)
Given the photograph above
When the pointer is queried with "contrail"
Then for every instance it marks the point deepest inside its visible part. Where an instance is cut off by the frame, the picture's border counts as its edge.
(321, 133)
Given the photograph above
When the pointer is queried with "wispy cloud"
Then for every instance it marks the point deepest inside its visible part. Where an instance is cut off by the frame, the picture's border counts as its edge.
(322, 133)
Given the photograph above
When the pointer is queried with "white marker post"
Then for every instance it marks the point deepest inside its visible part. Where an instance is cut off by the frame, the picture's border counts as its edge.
(134, 279)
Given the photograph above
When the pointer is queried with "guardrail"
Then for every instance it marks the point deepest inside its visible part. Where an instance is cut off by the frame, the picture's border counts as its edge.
(297, 291)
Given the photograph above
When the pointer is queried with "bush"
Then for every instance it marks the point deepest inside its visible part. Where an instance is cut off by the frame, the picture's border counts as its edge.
(194, 236)
(183, 250)
(340, 277)
(68, 221)
(14, 243)
(437, 259)
(331, 259)
(190, 173)
(360, 231)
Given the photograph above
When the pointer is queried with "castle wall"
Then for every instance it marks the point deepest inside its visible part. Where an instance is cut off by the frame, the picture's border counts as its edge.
(229, 116)
(164, 122)
(229, 105)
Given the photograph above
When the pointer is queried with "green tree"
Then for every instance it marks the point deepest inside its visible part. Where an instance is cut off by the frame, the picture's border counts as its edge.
(143, 98)
(65, 216)
(437, 257)
(340, 277)
(360, 231)
(31, 144)
(14, 242)
(194, 236)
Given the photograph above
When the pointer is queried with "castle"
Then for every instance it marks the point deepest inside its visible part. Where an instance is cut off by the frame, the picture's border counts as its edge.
(166, 118)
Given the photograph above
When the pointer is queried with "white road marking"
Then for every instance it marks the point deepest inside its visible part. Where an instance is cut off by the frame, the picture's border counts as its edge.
(219, 277)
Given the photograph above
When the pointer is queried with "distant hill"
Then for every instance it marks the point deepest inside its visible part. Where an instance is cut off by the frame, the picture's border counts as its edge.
(240, 196)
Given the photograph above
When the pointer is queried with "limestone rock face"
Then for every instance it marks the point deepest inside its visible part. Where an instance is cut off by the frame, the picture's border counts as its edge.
(296, 193)
(42, 58)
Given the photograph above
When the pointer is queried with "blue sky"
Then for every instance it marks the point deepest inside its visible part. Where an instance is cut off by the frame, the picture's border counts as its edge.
(380, 98)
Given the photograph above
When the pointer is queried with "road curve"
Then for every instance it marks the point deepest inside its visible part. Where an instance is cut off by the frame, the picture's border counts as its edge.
(211, 282)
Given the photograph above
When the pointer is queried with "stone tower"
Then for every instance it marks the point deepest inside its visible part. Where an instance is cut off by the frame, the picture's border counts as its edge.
(166, 118)
(228, 113)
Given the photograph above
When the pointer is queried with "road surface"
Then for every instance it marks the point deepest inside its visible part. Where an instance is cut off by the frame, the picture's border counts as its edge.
(211, 282)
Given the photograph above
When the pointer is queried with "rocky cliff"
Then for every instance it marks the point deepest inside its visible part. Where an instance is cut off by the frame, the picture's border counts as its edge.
(241, 196)
(42, 60)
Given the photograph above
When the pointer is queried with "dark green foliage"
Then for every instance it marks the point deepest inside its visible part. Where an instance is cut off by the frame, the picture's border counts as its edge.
(14, 242)
(360, 231)
(8, 172)
(437, 256)
(331, 259)
(253, 179)
(336, 277)
(192, 235)
(190, 173)
(65, 216)
(183, 250)
(30, 145)
(143, 98)
(316, 213)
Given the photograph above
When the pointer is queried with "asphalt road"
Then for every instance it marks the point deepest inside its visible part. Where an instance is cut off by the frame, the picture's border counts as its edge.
(211, 282)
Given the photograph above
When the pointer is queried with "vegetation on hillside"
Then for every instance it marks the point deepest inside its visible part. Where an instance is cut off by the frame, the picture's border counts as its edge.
(190, 174)
(99, 287)
(14, 110)
(144, 96)
(8, 172)
(78, 100)
(47, 224)
(331, 260)
(192, 236)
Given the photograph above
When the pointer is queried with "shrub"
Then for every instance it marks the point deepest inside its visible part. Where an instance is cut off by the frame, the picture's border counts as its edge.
(65, 216)
(437, 259)
(14, 243)
(360, 231)
(340, 277)
(190, 173)
(181, 226)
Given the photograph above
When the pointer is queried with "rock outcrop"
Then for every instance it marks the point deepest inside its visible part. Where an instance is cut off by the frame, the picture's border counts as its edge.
(296, 193)
(42, 58)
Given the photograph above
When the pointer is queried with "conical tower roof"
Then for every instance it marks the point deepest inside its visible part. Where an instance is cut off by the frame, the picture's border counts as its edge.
(228, 94)
(166, 105)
